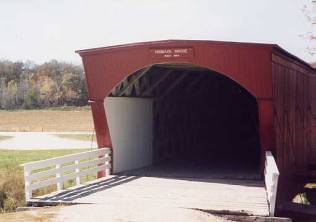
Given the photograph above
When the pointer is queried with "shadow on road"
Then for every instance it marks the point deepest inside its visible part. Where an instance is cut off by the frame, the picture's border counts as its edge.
(70, 195)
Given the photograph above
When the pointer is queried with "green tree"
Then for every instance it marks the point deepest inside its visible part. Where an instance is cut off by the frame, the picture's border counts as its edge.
(28, 85)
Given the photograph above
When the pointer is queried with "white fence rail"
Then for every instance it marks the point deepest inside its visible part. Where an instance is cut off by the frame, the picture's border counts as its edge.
(271, 177)
(56, 171)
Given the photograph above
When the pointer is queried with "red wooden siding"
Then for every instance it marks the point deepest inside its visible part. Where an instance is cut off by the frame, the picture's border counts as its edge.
(313, 118)
(291, 101)
(247, 64)
(291, 119)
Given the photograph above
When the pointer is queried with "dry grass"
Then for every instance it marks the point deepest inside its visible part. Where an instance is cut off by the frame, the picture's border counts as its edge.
(39, 215)
(308, 197)
(5, 138)
(11, 189)
(301, 198)
(58, 120)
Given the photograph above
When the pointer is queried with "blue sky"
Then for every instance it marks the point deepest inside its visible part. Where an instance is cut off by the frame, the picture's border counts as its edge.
(40, 30)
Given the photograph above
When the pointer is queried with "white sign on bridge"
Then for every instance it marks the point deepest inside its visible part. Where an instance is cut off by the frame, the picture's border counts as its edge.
(172, 52)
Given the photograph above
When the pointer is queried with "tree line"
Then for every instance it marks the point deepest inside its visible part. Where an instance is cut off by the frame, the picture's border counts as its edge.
(26, 85)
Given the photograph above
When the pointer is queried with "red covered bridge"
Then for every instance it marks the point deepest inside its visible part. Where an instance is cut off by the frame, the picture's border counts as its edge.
(204, 104)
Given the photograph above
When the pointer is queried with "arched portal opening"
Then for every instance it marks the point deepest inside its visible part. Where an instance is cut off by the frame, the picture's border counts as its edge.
(195, 118)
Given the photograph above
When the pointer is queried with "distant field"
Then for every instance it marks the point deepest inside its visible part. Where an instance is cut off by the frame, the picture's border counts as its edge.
(62, 119)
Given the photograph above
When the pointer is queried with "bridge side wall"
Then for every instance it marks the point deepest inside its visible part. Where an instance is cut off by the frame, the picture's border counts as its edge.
(313, 118)
(292, 120)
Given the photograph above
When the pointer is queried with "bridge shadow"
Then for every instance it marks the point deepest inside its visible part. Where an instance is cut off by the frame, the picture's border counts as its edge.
(231, 176)
(71, 194)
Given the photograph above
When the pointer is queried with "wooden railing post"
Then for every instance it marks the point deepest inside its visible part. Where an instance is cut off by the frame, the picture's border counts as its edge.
(27, 183)
(58, 175)
(107, 162)
(275, 178)
(77, 171)
(271, 176)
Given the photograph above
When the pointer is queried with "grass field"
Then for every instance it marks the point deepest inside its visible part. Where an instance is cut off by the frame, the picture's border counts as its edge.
(57, 119)
(11, 175)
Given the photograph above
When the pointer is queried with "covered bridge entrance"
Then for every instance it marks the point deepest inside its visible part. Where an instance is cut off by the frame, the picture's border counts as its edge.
(185, 117)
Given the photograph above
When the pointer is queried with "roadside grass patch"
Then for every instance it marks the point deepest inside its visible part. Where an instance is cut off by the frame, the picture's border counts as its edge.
(11, 175)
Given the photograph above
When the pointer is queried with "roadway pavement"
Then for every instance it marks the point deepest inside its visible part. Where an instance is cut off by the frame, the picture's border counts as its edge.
(126, 198)
(43, 141)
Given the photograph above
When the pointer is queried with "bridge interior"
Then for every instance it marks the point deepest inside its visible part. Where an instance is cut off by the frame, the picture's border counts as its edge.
(202, 120)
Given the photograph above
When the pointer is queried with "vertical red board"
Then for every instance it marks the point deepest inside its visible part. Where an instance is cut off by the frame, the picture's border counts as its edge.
(101, 128)
(265, 109)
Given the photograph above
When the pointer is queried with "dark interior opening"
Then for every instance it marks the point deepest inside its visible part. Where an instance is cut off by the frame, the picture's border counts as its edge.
(201, 117)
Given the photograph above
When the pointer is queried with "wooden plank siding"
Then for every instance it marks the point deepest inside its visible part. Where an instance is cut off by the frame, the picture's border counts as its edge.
(313, 118)
(292, 120)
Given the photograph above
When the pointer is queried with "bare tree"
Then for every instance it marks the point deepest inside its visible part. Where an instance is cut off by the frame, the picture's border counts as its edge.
(309, 10)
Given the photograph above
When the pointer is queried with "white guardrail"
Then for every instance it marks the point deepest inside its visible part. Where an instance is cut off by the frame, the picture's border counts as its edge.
(271, 177)
(56, 171)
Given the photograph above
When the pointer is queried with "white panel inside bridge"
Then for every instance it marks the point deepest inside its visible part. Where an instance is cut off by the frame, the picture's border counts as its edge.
(130, 122)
